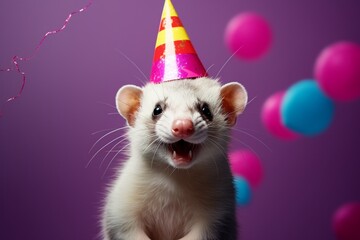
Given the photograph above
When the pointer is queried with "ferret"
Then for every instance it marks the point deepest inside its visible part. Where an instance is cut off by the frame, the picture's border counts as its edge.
(176, 182)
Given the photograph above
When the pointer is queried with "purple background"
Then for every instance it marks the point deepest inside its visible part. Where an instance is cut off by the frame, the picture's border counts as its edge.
(45, 136)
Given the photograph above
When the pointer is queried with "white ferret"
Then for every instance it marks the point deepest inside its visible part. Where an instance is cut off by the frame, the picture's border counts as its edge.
(176, 182)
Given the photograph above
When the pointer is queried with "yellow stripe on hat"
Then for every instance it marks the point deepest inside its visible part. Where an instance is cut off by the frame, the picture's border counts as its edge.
(169, 10)
(171, 35)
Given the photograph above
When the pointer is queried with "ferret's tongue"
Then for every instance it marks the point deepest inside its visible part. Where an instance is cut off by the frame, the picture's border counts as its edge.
(182, 152)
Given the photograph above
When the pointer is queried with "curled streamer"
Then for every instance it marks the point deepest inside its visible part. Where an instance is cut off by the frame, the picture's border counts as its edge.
(16, 59)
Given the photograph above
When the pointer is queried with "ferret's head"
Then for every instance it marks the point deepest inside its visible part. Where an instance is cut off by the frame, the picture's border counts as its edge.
(181, 123)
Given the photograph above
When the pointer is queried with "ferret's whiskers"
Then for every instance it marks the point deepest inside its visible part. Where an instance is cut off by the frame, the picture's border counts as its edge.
(107, 104)
(213, 160)
(163, 132)
(166, 169)
(227, 61)
(108, 166)
(257, 139)
(251, 100)
(134, 64)
(152, 159)
(140, 80)
(245, 144)
(212, 65)
(174, 169)
(220, 148)
(141, 72)
(248, 129)
(230, 113)
(107, 134)
(138, 68)
(215, 135)
(236, 139)
(103, 160)
(104, 130)
(150, 145)
(102, 149)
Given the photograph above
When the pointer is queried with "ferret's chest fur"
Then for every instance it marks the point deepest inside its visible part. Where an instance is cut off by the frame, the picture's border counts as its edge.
(167, 214)
(166, 203)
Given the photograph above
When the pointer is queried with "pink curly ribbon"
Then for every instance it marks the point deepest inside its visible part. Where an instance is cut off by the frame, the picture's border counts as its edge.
(16, 59)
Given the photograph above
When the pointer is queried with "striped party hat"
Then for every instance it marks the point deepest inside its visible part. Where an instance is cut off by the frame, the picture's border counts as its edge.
(175, 57)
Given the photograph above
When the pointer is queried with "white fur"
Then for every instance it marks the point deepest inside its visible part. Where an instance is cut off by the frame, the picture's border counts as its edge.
(151, 197)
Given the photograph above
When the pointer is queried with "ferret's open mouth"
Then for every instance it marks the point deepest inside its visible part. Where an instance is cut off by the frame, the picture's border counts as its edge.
(182, 152)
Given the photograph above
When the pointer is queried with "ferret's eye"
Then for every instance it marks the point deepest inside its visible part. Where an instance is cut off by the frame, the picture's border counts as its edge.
(157, 110)
(205, 111)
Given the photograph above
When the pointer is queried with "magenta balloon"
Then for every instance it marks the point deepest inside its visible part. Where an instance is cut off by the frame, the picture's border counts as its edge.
(248, 35)
(247, 165)
(271, 117)
(337, 70)
(346, 222)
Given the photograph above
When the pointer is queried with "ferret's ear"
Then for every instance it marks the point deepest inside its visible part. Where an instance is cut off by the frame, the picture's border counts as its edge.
(128, 102)
(234, 100)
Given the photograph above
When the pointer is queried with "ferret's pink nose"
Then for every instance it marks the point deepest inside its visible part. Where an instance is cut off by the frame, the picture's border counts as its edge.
(182, 128)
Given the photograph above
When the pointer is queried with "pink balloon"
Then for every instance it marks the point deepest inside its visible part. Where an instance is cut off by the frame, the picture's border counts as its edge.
(346, 222)
(271, 117)
(337, 70)
(249, 35)
(246, 164)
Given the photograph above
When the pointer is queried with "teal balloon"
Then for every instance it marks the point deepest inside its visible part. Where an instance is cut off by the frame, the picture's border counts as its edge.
(242, 191)
(306, 109)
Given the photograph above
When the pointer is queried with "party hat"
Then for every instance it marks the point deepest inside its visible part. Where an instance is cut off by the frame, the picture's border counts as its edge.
(175, 57)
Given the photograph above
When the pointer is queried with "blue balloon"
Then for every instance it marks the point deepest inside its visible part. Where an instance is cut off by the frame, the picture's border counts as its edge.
(306, 109)
(242, 191)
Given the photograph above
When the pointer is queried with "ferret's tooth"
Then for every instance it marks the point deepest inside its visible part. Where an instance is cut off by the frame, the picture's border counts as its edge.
(190, 154)
(174, 154)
